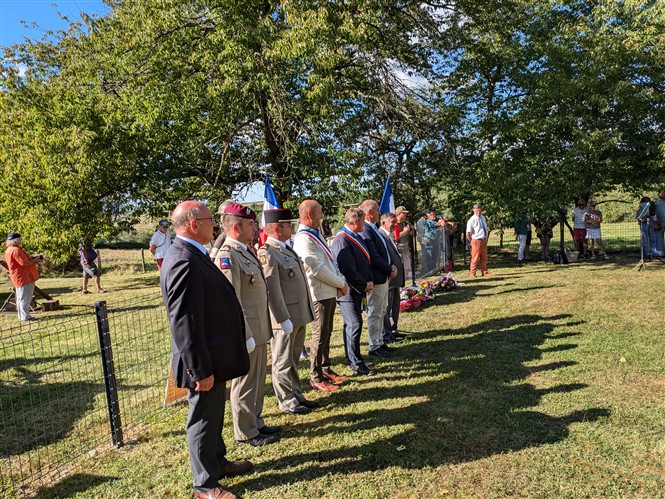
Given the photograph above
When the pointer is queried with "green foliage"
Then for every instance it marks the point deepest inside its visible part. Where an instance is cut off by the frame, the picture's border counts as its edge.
(513, 103)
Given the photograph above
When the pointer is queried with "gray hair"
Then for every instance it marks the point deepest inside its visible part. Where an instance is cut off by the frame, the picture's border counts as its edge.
(353, 215)
(387, 217)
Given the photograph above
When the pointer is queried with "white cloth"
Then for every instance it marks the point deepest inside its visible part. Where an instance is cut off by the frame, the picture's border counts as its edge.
(477, 226)
(162, 243)
(287, 327)
(323, 278)
(251, 344)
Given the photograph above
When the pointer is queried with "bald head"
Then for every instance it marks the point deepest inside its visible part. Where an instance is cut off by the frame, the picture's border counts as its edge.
(193, 219)
(371, 210)
(310, 213)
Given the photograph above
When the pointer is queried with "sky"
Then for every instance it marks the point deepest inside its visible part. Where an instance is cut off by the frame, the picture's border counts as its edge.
(44, 13)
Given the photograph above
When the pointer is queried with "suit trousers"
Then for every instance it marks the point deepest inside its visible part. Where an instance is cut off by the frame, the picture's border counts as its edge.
(319, 347)
(377, 301)
(247, 394)
(353, 325)
(392, 312)
(478, 256)
(286, 350)
(204, 435)
(23, 298)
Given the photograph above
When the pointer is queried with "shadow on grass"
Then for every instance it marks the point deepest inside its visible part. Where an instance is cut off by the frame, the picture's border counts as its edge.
(448, 400)
(79, 482)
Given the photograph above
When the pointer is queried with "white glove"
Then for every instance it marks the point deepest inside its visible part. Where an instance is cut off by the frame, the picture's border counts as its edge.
(251, 345)
(287, 327)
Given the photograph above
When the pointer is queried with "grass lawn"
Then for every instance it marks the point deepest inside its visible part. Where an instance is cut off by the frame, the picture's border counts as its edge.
(541, 381)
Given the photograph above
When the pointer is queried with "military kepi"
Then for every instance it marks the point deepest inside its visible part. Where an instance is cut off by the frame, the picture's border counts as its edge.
(240, 211)
(278, 215)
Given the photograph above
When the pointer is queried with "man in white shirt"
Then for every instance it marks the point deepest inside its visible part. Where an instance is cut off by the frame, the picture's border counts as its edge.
(160, 242)
(579, 226)
(477, 234)
(326, 284)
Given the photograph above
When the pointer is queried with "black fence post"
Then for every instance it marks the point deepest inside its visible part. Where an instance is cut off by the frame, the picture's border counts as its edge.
(109, 372)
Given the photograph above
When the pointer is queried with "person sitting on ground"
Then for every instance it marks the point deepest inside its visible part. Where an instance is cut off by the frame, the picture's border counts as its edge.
(23, 273)
(88, 255)
(593, 219)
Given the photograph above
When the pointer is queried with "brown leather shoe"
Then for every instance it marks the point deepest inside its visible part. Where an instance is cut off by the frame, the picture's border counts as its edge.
(323, 386)
(234, 468)
(216, 493)
(334, 377)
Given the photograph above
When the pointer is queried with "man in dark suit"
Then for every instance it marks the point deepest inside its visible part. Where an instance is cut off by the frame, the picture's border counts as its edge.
(382, 270)
(208, 347)
(354, 263)
(387, 230)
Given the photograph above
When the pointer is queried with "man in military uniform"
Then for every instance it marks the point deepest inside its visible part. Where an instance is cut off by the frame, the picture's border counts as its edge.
(239, 263)
(290, 310)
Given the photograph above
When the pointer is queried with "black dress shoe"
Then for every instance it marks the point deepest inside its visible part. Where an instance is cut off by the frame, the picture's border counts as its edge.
(363, 371)
(310, 404)
(386, 348)
(398, 336)
(299, 409)
(270, 430)
(391, 339)
(259, 440)
(379, 353)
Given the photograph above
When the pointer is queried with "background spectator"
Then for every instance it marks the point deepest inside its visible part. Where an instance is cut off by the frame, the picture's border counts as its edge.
(160, 242)
(593, 219)
(23, 273)
(544, 231)
(88, 255)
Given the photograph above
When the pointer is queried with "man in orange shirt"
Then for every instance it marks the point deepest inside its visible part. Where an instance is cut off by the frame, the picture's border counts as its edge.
(23, 273)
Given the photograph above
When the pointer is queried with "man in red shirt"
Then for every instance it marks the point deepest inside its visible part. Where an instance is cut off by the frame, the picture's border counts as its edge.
(23, 273)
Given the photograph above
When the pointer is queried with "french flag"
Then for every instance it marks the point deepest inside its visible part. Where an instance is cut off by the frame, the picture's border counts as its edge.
(269, 203)
(387, 201)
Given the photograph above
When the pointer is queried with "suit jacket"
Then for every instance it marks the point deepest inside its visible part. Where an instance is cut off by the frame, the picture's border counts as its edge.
(203, 340)
(323, 276)
(378, 254)
(396, 258)
(288, 293)
(243, 269)
(353, 264)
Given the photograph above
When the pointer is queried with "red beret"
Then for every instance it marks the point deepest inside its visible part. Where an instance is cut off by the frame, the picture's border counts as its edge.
(240, 211)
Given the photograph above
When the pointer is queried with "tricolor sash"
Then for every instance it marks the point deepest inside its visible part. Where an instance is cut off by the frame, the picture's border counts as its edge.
(344, 232)
(317, 238)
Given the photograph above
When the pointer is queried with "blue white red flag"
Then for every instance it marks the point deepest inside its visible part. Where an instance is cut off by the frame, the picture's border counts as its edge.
(269, 203)
(387, 201)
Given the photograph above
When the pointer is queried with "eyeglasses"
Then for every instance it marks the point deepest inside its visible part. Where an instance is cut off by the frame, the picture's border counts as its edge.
(212, 219)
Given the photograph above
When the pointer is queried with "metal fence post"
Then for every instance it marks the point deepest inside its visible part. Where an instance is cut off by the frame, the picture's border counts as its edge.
(109, 373)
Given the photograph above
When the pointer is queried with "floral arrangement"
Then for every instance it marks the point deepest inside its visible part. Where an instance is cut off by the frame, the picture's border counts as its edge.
(446, 282)
(412, 297)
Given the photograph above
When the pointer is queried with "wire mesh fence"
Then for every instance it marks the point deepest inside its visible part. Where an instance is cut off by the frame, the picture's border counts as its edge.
(54, 404)
(445, 248)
